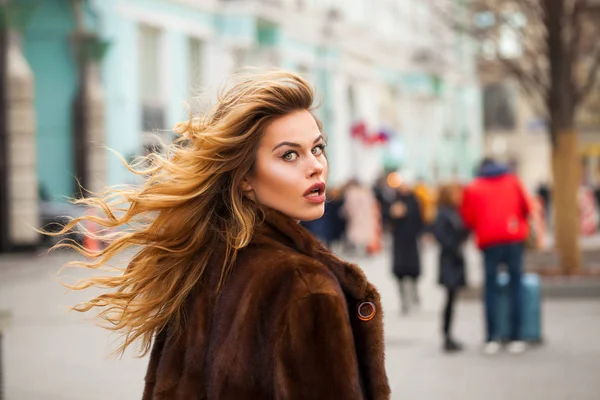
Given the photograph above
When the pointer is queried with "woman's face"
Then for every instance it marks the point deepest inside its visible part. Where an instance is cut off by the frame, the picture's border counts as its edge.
(290, 169)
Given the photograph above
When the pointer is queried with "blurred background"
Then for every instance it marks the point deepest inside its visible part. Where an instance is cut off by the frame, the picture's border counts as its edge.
(412, 93)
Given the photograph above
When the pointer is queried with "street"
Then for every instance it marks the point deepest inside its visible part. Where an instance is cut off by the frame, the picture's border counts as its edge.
(50, 354)
(180, 120)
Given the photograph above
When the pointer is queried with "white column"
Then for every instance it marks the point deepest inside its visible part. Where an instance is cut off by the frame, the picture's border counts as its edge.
(340, 150)
(96, 153)
(220, 64)
(23, 206)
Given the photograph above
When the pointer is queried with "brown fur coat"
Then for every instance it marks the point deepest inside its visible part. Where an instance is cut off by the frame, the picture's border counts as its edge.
(285, 326)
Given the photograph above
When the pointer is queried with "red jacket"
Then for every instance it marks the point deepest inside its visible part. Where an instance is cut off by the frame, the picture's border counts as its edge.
(495, 207)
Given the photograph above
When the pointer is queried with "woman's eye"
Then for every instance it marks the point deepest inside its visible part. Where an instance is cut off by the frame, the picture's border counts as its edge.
(290, 156)
(318, 150)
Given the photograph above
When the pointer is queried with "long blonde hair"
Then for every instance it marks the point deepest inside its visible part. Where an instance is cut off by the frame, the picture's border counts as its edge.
(189, 205)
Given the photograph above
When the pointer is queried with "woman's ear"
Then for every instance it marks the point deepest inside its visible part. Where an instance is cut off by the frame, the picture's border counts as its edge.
(246, 186)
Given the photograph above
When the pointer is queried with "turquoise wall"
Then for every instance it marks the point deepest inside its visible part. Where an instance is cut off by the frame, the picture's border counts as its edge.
(123, 125)
(235, 26)
(47, 48)
(120, 75)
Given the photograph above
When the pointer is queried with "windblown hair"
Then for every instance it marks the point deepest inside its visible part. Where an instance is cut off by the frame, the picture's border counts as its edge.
(189, 205)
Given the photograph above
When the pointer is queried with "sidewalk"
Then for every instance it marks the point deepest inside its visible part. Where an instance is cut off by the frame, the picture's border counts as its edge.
(50, 354)
(564, 367)
(547, 262)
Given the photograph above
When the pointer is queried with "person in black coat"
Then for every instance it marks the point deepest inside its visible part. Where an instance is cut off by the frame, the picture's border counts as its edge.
(450, 232)
(407, 226)
(330, 228)
(545, 193)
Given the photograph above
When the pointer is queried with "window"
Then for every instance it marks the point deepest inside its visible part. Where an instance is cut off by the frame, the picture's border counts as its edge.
(266, 33)
(499, 100)
(509, 43)
(485, 19)
(153, 117)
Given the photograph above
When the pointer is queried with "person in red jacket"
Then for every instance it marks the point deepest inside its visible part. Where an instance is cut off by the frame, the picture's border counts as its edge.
(496, 209)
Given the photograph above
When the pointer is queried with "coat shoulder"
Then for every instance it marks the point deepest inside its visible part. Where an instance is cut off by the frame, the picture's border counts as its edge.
(276, 267)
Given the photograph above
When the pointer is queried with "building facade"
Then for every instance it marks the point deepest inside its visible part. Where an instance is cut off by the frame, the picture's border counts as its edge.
(372, 65)
(52, 119)
(396, 91)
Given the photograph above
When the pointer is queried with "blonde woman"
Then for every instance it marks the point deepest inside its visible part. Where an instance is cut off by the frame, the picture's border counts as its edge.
(232, 296)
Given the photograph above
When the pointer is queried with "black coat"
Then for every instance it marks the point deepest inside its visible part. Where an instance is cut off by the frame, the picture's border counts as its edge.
(450, 232)
(330, 227)
(406, 231)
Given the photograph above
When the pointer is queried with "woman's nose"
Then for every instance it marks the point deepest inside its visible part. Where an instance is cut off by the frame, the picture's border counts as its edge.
(316, 167)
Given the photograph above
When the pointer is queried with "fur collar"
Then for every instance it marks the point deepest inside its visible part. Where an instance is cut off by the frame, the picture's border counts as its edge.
(280, 230)
(277, 227)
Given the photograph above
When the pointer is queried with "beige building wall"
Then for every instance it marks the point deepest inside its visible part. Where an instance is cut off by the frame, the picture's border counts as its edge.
(529, 153)
(526, 147)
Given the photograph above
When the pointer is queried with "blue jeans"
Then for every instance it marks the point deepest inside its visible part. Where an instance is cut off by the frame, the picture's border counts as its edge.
(510, 254)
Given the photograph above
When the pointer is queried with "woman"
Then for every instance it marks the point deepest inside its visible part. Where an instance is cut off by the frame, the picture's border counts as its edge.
(361, 223)
(239, 300)
(407, 226)
(451, 234)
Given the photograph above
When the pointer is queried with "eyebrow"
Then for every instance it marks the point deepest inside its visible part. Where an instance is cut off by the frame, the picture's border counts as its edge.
(296, 145)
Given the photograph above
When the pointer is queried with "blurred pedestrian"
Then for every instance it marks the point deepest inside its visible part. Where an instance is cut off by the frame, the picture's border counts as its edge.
(407, 226)
(536, 238)
(236, 299)
(544, 192)
(335, 215)
(426, 199)
(361, 216)
(596, 190)
(385, 195)
(329, 227)
(588, 211)
(319, 228)
(495, 207)
(451, 234)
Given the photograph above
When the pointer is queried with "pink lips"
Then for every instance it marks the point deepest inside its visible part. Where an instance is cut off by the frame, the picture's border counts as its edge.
(315, 193)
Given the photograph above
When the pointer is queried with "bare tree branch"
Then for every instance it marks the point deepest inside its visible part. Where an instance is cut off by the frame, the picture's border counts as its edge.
(532, 62)
(592, 76)
(531, 8)
(532, 77)
(528, 79)
(535, 92)
(449, 18)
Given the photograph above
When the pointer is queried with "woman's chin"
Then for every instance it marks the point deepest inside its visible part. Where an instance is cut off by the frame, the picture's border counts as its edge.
(315, 213)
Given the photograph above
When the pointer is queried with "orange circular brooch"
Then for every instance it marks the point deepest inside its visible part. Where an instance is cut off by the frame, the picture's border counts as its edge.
(366, 311)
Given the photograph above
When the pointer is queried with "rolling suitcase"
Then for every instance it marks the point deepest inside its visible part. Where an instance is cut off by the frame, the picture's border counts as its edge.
(531, 329)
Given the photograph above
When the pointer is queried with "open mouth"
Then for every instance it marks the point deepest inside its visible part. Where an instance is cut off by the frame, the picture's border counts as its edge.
(315, 190)
(315, 193)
